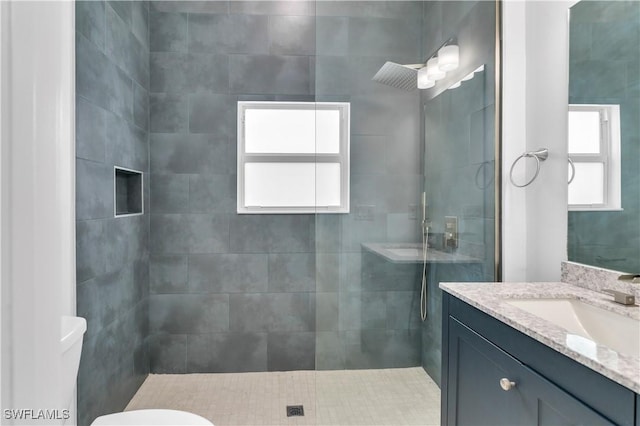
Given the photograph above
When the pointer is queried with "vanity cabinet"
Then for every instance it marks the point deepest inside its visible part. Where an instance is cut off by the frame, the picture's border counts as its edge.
(495, 375)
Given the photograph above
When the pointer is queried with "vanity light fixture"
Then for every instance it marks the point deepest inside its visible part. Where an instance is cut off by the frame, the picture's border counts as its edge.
(448, 57)
(433, 71)
(424, 82)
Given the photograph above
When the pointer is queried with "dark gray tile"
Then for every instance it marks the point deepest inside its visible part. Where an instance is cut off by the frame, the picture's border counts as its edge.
(204, 6)
(90, 131)
(331, 75)
(194, 154)
(208, 33)
(208, 233)
(214, 114)
(140, 107)
(292, 35)
(94, 190)
(247, 234)
(228, 34)
(118, 41)
(188, 313)
(100, 81)
(169, 234)
(290, 233)
(106, 298)
(168, 113)
(228, 273)
(327, 272)
(127, 241)
(380, 9)
(168, 32)
(90, 20)
(292, 272)
(262, 74)
(123, 9)
(329, 351)
(168, 274)
(226, 352)
(327, 312)
(369, 154)
(268, 7)
(384, 349)
(140, 22)
(212, 193)
(168, 354)
(169, 193)
(373, 313)
(139, 61)
(403, 310)
(384, 36)
(350, 306)
(291, 351)
(90, 249)
(128, 145)
(271, 312)
(332, 35)
(173, 72)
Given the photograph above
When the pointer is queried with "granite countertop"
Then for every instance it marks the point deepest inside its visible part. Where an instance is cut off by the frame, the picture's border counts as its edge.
(412, 253)
(490, 298)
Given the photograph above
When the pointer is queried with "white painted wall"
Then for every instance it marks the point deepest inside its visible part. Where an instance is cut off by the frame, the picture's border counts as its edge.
(38, 197)
(535, 93)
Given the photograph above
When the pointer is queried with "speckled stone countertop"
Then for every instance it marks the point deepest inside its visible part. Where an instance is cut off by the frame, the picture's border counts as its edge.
(491, 298)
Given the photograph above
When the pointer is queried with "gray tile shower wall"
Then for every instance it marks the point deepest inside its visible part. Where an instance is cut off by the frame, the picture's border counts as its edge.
(229, 292)
(279, 283)
(112, 83)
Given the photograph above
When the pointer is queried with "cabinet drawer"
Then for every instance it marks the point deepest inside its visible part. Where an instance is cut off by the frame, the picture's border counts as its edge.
(476, 397)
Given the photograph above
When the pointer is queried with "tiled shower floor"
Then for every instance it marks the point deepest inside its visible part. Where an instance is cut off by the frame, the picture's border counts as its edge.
(399, 396)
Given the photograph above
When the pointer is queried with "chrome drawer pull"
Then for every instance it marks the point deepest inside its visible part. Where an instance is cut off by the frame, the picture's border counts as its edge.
(507, 384)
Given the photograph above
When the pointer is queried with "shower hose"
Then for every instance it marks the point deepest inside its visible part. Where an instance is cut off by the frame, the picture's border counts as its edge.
(423, 289)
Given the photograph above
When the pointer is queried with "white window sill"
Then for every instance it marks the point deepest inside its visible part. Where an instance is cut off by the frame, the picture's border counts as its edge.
(595, 209)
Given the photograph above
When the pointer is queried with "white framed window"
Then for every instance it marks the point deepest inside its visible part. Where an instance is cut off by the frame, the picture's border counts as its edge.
(293, 157)
(594, 149)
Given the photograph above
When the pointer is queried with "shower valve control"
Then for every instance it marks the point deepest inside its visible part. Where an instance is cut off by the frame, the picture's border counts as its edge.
(450, 232)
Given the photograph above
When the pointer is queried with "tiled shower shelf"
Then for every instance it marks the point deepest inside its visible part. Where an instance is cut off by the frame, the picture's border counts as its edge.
(412, 253)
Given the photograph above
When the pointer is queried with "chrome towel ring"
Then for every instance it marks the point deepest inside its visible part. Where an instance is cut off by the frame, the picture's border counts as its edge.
(573, 170)
(539, 155)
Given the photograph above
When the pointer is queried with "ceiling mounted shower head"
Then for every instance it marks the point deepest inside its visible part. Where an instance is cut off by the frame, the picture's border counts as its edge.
(403, 77)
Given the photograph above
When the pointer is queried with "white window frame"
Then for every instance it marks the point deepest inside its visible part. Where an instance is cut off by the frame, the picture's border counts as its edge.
(343, 157)
(609, 156)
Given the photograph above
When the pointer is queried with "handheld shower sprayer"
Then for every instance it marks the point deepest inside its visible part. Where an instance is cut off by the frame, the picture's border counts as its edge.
(425, 239)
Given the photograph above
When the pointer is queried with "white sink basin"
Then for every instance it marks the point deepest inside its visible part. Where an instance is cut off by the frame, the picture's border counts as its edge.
(615, 331)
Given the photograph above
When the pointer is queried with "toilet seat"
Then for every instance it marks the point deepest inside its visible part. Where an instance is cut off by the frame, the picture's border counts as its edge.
(151, 418)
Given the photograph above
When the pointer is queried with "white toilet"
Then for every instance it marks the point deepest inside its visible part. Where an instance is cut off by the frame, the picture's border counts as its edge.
(72, 330)
(151, 418)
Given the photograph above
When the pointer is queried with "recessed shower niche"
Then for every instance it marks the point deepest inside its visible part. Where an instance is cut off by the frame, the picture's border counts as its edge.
(127, 192)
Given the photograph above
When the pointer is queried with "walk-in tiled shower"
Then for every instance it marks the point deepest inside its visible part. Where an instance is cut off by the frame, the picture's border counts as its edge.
(193, 286)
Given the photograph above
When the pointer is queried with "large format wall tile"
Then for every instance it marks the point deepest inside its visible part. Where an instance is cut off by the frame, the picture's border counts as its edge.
(205, 57)
(112, 270)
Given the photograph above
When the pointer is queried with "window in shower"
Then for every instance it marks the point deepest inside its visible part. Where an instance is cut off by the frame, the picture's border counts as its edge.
(293, 157)
(594, 150)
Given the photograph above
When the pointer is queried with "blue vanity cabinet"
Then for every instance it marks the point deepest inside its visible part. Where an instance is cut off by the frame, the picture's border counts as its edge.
(541, 386)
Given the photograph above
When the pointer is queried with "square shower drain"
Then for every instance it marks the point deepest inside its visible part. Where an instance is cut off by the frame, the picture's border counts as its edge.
(295, 410)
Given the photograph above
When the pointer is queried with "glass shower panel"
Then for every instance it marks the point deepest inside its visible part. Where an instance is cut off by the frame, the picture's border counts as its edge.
(403, 143)
(459, 163)
(368, 262)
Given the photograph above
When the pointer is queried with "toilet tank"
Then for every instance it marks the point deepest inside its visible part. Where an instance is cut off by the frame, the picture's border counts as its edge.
(72, 329)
